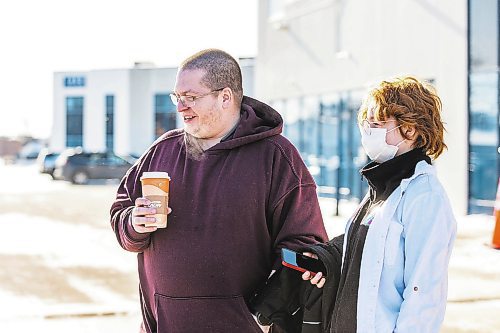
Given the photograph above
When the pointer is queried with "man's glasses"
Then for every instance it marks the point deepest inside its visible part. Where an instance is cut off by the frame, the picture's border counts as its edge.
(367, 125)
(189, 101)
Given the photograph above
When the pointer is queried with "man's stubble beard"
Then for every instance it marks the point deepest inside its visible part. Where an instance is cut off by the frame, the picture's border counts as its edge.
(195, 145)
(194, 148)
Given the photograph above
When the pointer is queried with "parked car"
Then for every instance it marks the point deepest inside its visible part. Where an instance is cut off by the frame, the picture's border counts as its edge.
(79, 167)
(47, 161)
(30, 150)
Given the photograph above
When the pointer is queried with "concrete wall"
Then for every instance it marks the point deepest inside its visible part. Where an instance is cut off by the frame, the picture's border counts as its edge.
(100, 84)
(316, 47)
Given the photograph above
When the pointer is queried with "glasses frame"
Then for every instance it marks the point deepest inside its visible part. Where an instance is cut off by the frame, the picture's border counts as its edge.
(366, 125)
(190, 101)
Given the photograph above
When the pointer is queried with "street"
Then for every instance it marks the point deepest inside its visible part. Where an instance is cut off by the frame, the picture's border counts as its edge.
(64, 270)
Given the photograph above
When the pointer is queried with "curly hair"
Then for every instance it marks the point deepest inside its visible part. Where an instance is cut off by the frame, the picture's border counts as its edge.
(412, 103)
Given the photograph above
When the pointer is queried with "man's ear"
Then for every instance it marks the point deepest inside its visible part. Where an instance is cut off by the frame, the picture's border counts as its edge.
(227, 97)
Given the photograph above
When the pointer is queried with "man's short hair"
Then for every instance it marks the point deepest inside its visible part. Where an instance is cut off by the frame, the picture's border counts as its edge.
(222, 70)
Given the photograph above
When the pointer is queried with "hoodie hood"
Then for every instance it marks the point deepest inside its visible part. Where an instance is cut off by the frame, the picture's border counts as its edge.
(257, 121)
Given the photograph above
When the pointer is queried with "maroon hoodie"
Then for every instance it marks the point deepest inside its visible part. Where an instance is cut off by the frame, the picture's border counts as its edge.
(231, 213)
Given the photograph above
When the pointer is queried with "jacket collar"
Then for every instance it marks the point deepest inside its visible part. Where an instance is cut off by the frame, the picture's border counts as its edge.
(422, 168)
(390, 205)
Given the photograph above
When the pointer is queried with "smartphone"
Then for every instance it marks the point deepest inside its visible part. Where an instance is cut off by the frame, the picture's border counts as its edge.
(301, 262)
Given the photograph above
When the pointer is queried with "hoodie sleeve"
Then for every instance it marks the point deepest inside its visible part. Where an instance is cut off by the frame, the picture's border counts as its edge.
(121, 210)
(295, 212)
(297, 219)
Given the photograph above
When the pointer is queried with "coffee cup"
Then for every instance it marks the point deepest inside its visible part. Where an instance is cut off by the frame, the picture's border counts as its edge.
(155, 188)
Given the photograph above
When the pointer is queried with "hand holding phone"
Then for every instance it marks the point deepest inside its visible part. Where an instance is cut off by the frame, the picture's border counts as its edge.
(301, 263)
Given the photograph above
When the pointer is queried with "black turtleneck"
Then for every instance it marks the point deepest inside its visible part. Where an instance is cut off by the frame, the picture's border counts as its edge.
(383, 179)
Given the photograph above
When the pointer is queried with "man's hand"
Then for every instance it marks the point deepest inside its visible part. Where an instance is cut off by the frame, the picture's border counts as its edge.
(317, 279)
(142, 214)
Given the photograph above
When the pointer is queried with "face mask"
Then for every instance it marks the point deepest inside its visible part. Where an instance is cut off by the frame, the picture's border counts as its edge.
(375, 145)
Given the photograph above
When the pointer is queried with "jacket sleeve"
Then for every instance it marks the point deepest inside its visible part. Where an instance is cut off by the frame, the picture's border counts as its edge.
(429, 232)
(121, 209)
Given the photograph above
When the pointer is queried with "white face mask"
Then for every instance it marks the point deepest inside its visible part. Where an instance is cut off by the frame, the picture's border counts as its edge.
(375, 145)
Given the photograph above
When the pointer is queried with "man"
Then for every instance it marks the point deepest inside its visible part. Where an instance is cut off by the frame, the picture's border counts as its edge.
(239, 192)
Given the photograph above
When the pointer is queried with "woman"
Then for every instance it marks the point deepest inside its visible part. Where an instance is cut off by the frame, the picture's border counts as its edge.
(398, 243)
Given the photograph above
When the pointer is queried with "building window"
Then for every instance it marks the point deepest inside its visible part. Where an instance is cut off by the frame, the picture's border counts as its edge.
(110, 110)
(483, 104)
(483, 141)
(74, 121)
(74, 81)
(325, 131)
(165, 114)
(483, 34)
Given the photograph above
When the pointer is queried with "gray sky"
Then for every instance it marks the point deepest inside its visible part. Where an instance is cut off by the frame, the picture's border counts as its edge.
(40, 37)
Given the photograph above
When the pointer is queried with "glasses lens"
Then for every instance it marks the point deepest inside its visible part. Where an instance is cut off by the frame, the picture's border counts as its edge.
(174, 99)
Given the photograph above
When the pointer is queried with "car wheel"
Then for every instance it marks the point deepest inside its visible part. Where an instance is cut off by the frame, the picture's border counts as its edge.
(80, 178)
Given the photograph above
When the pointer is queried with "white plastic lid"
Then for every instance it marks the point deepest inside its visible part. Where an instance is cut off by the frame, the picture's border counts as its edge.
(155, 174)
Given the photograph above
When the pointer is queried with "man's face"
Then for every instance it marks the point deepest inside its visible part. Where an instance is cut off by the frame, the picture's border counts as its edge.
(204, 119)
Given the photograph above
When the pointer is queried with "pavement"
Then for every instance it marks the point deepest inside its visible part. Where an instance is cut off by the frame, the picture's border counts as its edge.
(63, 270)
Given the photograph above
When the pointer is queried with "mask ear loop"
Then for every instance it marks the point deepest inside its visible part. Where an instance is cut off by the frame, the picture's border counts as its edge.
(397, 145)
(392, 129)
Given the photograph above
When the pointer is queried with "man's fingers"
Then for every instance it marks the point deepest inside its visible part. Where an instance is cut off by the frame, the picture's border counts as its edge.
(138, 224)
(142, 214)
(321, 283)
(142, 220)
(142, 202)
(141, 211)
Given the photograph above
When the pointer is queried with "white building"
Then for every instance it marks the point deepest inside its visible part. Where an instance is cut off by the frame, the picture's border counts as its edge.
(120, 110)
(316, 57)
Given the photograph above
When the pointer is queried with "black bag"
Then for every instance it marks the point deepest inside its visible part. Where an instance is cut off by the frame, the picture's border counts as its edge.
(278, 302)
(318, 303)
(293, 305)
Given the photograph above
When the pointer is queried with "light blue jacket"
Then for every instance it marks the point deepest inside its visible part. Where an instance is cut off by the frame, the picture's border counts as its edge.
(404, 269)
